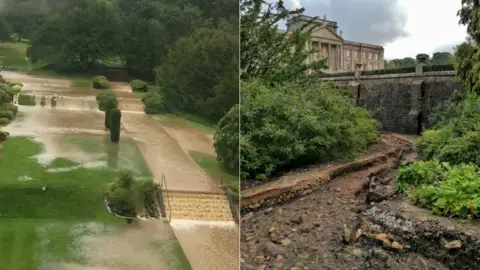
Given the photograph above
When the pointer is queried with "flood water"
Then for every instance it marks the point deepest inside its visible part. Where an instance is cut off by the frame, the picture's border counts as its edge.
(207, 246)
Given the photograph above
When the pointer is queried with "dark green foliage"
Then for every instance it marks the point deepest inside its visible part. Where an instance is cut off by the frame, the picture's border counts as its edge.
(446, 110)
(200, 73)
(7, 114)
(339, 74)
(295, 125)
(154, 103)
(3, 135)
(115, 118)
(79, 36)
(107, 100)
(227, 140)
(399, 63)
(442, 58)
(4, 121)
(129, 197)
(423, 58)
(470, 16)
(107, 118)
(100, 82)
(463, 62)
(43, 101)
(444, 67)
(456, 137)
(410, 69)
(266, 52)
(139, 86)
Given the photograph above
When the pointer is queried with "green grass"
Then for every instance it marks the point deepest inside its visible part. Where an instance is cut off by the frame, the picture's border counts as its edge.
(82, 84)
(13, 55)
(184, 121)
(39, 225)
(216, 171)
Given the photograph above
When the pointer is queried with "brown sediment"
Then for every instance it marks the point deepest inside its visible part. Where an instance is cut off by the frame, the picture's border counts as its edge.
(303, 182)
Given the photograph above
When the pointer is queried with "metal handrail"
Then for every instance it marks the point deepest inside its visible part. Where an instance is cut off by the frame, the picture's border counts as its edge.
(164, 182)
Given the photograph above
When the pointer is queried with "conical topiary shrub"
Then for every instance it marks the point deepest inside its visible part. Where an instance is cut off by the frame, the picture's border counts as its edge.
(115, 117)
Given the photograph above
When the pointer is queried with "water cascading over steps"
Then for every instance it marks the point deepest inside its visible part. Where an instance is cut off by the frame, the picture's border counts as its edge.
(196, 206)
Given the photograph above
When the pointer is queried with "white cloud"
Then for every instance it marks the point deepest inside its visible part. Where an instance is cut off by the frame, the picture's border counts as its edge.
(431, 25)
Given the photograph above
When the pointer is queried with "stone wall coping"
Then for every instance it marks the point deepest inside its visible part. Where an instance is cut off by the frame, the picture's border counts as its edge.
(393, 76)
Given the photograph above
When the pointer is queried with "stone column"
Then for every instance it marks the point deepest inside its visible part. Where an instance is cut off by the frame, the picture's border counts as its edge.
(342, 62)
(330, 58)
(307, 49)
(320, 56)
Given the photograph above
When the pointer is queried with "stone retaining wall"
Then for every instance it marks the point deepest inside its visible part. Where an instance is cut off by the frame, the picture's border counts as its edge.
(401, 102)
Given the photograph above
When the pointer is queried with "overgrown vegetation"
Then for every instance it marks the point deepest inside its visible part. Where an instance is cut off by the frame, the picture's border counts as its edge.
(129, 197)
(7, 109)
(139, 86)
(448, 179)
(115, 118)
(100, 82)
(293, 125)
(107, 101)
(288, 117)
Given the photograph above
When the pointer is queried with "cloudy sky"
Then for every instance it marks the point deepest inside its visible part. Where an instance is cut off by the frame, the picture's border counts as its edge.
(403, 27)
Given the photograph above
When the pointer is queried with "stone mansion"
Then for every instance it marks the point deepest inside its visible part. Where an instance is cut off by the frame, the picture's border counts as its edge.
(342, 55)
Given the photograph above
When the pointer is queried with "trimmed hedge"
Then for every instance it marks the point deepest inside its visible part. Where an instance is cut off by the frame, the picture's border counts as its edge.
(100, 82)
(43, 101)
(3, 135)
(115, 117)
(4, 121)
(448, 67)
(139, 86)
(7, 114)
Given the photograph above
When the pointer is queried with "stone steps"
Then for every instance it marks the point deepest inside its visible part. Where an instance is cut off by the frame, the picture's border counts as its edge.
(197, 206)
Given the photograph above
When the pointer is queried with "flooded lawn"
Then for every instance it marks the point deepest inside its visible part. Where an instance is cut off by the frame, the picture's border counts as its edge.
(66, 149)
(52, 214)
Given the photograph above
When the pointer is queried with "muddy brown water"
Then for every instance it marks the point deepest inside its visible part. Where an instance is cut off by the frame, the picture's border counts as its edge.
(211, 246)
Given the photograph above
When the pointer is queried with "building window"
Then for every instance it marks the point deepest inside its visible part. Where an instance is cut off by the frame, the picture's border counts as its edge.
(369, 66)
(348, 66)
(376, 56)
(370, 55)
(355, 54)
(363, 55)
(347, 52)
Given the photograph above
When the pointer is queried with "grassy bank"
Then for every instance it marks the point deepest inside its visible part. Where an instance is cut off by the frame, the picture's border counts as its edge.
(48, 208)
(216, 171)
(185, 121)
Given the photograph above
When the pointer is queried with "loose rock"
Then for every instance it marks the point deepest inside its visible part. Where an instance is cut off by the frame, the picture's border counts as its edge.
(454, 244)
(274, 249)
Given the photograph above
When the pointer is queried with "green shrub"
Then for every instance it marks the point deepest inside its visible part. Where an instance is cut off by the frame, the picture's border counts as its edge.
(7, 114)
(100, 82)
(4, 121)
(107, 100)
(456, 138)
(53, 101)
(12, 108)
(43, 101)
(16, 88)
(291, 126)
(26, 100)
(115, 118)
(3, 135)
(455, 195)
(226, 140)
(446, 110)
(154, 103)
(107, 119)
(129, 197)
(418, 173)
(139, 86)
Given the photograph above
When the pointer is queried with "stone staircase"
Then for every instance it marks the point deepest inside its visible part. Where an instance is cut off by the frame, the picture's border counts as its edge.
(196, 206)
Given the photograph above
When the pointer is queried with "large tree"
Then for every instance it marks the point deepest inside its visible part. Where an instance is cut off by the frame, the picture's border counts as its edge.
(442, 58)
(80, 37)
(200, 73)
(268, 53)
